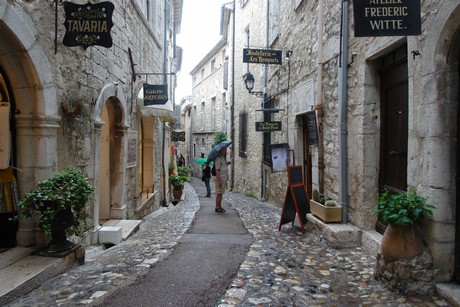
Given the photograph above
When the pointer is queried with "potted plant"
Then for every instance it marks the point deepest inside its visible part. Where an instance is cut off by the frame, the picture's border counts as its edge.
(183, 171)
(325, 208)
(177, 181)
(402, 212)
(60, 205)
(171, 169)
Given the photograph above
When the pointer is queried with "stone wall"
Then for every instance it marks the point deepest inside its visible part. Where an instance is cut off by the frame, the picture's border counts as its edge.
(209, 109)
(91, 75)
(313, 82)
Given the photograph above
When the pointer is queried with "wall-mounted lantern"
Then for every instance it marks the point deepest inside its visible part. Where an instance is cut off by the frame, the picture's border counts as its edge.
(249, 83)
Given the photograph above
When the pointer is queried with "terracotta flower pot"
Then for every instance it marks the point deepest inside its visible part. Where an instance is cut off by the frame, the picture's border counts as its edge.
(401, 241)
(177, 194)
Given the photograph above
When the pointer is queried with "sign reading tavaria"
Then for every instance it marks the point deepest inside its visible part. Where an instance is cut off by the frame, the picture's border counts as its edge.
(387, 17)
(88, 24)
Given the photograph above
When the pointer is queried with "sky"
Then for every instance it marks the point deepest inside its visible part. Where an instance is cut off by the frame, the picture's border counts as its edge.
(199, 33)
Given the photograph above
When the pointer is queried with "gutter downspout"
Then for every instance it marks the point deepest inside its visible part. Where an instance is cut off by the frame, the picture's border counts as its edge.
(232, 105)
(164, 202)
(342, 83)
(263, 191)
(319, 97)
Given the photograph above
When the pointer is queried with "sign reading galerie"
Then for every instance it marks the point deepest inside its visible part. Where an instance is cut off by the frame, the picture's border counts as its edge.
(155, 94)
(88, 24)
(262, 56)
(387, 17)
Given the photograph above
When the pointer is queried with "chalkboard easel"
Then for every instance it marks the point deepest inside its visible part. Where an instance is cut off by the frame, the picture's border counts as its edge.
(295, 200)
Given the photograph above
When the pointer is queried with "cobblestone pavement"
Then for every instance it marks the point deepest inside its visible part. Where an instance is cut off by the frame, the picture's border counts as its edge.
(282, 268)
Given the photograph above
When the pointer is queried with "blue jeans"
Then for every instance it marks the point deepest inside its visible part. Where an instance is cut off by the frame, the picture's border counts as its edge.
(208, 186)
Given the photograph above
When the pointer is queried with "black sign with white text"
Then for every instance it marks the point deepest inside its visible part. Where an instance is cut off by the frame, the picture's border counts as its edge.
(387, 17)
(268, 126)
(88, 24)
(262, 56)
(155, 94)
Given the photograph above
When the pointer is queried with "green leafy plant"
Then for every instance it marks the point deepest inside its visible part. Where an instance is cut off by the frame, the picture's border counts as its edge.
(402, 209)
(183, 171)
(177, 181)
(218, 138)
(76, 109)
(67, 189)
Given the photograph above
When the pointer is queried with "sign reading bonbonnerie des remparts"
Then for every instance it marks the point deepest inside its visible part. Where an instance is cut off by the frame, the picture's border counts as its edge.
(262, 56)
(387, 17)
(88, 24)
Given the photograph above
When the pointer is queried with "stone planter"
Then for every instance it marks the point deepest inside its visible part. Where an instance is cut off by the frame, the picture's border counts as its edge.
(326, 214)
(59, 246)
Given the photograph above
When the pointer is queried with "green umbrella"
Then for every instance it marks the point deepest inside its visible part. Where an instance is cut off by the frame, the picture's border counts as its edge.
(201, 161)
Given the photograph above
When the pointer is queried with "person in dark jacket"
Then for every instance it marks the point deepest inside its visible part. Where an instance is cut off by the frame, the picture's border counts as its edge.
(207, 178)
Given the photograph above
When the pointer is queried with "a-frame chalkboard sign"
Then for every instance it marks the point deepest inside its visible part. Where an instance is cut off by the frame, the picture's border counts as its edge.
(296, 199)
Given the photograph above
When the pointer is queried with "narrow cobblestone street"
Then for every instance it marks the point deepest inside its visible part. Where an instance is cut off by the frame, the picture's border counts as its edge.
(282, 268)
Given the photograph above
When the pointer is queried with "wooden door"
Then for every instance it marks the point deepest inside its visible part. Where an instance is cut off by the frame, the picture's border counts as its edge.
(394, 124)
(393, 159)
(307, 164)
(456, 276)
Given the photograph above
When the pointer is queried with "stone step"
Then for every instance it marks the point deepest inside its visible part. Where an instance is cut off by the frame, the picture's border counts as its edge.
(128, 227)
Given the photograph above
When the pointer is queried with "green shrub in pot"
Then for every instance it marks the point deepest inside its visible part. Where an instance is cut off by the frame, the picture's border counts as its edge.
(67, 189)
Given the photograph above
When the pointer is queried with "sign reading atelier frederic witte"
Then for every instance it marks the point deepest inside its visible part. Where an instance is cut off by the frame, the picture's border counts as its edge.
(387, 17)
(155, 94)
(262, 56)
(88, 24)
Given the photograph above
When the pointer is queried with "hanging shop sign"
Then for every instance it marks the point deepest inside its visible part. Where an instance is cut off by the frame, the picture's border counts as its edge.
(88, 24)
(312, 128)
(155, 94)
(262, 56)
(178, 136)
(268, 126)
(387, 17)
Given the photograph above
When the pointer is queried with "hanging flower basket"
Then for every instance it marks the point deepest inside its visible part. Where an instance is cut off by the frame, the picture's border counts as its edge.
(71, 109)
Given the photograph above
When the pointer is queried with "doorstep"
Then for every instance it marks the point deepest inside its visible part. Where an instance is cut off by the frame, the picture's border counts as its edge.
(21, 271)
(128, 227)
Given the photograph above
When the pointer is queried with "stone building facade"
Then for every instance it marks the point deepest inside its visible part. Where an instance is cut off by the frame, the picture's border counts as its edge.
(122, 146)
(208, 105)
(399, 98)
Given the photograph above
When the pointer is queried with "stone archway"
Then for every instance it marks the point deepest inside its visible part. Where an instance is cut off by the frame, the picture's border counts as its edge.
(36, 118)
(435, 104)
(110, 165)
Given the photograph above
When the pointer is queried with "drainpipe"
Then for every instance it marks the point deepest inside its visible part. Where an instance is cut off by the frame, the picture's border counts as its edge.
(263, 190)
(319, 97)
(164, 202)
(342, 83)
(232, 103)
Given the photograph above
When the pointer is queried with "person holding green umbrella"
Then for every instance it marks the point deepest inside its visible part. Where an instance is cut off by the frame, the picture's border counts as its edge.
(207, 178)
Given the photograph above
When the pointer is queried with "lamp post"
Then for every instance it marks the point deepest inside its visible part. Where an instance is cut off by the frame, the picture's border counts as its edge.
(249, 82)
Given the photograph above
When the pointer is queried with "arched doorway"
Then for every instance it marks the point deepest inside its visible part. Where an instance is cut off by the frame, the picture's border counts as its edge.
(34, 121)
(104, 168)
(8, 167)
(456, 276)
(111, 161)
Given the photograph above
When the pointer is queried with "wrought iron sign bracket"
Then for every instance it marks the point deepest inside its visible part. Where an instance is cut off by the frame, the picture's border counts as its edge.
(56, 3)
